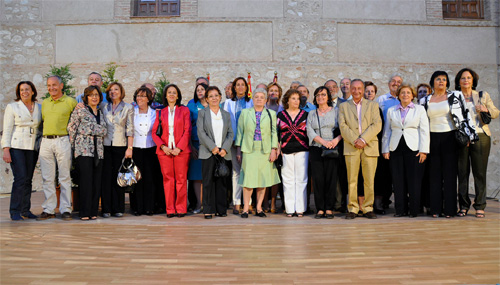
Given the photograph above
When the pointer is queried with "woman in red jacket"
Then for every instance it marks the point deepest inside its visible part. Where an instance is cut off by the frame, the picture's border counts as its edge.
(172, 148)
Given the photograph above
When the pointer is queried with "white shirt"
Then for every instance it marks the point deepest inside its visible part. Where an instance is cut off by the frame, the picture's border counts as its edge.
(439, 117)
(217, 126)
(143, 126)
(171, 116)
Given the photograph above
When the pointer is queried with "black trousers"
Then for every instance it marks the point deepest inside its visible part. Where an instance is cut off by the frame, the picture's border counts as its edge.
(142, 199)
(342, 189)
(22, 165)
(475, 156)
(89, 185)
(214, 188)
(443, 164)
(406, 178)
(324, 175)
(383, 180)
(112, 195)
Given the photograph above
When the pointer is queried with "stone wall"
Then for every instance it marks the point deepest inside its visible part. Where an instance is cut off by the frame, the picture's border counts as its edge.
(306, 40)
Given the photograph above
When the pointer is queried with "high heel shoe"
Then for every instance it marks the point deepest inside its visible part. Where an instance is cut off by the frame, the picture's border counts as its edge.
(462, 212)
(244, 215)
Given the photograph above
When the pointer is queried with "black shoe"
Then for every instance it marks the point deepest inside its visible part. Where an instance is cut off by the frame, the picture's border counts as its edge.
(45, 216)
(148, 213)
(261, 214)
(29, 215)
(106, 215)
(16, 217)
(400, 215)
(118, 215)
(370, 215)
(170, 216)
(379, 212)
(221, 215)
(66, 216)
(412, 216)
(319, 216)
(329, 216)
(351, 216)
(137, 214)
(181, 215)
(244, 215)
(208, 217)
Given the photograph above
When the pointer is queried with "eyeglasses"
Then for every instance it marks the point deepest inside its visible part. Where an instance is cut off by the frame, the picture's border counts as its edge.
(93, 95)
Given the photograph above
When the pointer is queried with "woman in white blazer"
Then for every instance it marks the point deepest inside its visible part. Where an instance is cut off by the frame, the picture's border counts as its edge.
(406, 144)
(20, 143)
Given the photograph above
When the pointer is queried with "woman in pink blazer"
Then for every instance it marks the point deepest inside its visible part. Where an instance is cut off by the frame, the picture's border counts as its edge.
(172, 148)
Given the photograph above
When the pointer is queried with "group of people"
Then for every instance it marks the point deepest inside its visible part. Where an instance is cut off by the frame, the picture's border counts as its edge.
(352, 151)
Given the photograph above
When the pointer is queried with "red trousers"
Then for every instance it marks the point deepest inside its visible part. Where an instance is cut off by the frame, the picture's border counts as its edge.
(174, 170)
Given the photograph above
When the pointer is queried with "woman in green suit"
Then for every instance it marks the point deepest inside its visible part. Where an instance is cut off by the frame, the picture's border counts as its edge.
(257, 149)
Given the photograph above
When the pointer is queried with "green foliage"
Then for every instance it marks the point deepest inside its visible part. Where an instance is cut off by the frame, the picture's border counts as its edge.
(65, 73)
(160, 85)
(108, 75)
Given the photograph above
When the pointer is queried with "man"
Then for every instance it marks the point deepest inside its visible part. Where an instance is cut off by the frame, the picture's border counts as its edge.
(201, 79)
(227, 90)
(94, 79)
(345, 88)
(56, 149)
(295, 84)
(154, 105)
(359, 122)
(304, 97)
(383, 178)
(334, 90)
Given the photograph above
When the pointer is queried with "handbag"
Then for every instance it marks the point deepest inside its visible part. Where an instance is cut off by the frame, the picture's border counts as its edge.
(221, 168)
(128, 174)
(327, 152)
(461, 134)
(485, 116)
(159, 130)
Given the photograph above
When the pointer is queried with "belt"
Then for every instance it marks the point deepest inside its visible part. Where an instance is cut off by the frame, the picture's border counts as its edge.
(54, 137)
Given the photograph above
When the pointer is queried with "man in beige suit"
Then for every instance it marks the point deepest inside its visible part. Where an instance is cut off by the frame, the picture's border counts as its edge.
(359, 122)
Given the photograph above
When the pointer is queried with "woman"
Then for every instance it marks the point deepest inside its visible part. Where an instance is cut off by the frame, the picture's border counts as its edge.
(370, 90)
(173, 150)
(20, 143)
(198, 103)
(273, 103)
(406, 136)
(321, 125)
(142, 199)
(216, 137)
(294, 146)
(118, 143)
(442, 105)
(258, 141)
(86, 129)
(238, 102)
(423, 90)
(474, 155)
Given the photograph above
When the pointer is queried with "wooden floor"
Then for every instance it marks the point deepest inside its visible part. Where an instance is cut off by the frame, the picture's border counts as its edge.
(231, 250)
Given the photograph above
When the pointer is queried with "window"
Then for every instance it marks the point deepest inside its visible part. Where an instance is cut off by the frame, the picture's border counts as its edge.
(463, 9)
(156, 8)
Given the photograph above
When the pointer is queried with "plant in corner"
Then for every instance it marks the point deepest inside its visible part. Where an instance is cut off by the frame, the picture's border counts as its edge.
(160, 85)
(108, 75)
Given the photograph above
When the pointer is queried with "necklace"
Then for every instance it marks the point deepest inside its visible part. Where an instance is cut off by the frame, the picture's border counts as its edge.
(30, 108)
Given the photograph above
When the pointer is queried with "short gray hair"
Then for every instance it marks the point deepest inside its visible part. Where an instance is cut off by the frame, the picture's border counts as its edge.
(295, 82)
(396, 74)
(260, 90)
(55, 76)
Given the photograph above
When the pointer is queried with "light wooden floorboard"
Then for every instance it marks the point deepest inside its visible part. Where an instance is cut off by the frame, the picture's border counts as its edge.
(231, 250)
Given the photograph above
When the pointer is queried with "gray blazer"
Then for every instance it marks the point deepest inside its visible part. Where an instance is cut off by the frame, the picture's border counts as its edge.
(206, 134)
(120, 125)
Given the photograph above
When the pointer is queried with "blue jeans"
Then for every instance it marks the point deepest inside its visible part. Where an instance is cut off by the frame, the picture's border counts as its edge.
(23, 165)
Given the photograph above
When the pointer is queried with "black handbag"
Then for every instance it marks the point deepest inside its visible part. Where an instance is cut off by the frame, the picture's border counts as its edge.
(159, 130)
(327, 152)
(221, 168)
(485, 116)
(461, 136)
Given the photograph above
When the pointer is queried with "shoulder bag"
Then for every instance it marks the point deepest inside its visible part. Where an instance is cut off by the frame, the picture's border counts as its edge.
(485, 116)
(159, 130)
(327, 152)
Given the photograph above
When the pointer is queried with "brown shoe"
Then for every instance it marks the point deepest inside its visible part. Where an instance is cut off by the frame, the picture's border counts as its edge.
(350, 216)
(45, 216)
(66, 216)
(370, 215)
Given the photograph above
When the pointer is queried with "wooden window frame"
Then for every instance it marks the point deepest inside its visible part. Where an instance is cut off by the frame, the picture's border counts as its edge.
(140, 8)
(454, 9)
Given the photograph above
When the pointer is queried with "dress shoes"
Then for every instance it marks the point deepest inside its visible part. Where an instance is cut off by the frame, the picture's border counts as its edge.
(29, 215)
(370, 215)
(170, 216)
(400, 215)
(319, 216)
(379, 212)
(220, 215)
(208, 217)
(66, 216)
(181, 215)
(350, 216)
(118, 215)
(137, 214)
(148, 213)
(106, 215)
(244, 215)
(329, 216)
(261, 214)
(16, 217)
